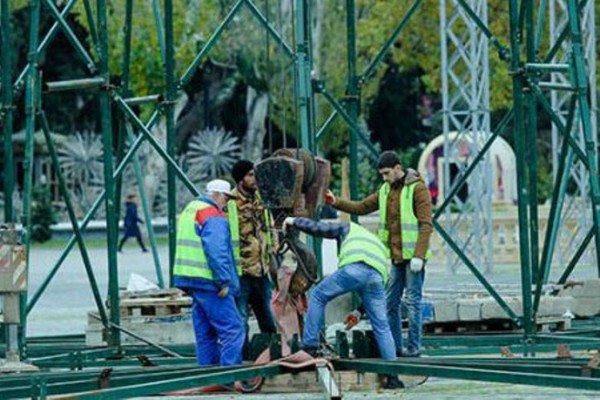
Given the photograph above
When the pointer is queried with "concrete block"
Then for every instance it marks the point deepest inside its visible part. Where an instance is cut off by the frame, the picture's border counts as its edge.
(490, 309)
(445, 311)
(587, 288)
(551, 306)
(469, 309)
(586, 306)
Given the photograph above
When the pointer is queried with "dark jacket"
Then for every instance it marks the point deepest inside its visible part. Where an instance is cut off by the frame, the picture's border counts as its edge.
(131, 221)
(421, 206)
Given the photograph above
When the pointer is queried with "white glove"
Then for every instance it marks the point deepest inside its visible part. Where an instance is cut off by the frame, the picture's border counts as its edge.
(289, 221)
(416, 264)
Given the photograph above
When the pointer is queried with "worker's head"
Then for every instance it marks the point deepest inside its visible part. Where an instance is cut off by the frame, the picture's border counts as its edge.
(132, 197)
(220, 191)
(390, 167)
(243, 175)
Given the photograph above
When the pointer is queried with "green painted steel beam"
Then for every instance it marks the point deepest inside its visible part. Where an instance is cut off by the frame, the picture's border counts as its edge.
(70, 35)
(211, 42)
(7, 109)
(20, 81)
(464, 176)
(466, 373)
(370, 69)
(271, 31)
(75, 84)
(151, 386)
(519, 134)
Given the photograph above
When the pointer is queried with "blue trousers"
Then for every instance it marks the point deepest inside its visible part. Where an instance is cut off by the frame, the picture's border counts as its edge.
(410, 284)
(368, 285)
(218, 329)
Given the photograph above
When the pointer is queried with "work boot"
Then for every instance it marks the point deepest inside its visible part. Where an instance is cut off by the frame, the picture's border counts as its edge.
(392, 382)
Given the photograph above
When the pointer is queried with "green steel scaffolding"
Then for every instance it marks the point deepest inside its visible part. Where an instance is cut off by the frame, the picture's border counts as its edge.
(529, 67)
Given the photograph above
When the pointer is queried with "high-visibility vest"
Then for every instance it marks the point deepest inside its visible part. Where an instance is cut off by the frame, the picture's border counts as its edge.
(409, 222)
(234, 227)
(190, 260)
(362, 246)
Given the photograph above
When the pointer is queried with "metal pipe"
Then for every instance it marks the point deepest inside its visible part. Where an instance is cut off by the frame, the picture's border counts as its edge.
(170, 97)
(114, 338)
(7, 110)
(75, 84)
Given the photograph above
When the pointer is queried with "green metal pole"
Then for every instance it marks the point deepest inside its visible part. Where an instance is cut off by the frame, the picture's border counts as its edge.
(531, 126)
(6, 117)
(30, 100)
(6, 57)
(583, 93)
(352, 96)
(519, 140)
(159, 28)
(170, 98)
(109, 182)
(303, 75)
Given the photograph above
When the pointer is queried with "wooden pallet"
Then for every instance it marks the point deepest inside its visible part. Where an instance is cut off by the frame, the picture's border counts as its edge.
(154, 306)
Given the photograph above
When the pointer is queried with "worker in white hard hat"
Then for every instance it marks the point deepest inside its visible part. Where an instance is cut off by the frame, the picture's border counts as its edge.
(206, 270)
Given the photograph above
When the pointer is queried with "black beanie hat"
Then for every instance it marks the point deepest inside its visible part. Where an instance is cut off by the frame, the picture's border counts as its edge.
(240, 169)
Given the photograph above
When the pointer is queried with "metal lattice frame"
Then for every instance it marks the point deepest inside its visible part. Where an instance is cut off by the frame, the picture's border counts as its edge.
(575, 219)
(466, 111)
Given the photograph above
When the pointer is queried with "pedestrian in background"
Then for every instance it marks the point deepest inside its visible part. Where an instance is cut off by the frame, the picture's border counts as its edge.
(205, 270)
(131, 223)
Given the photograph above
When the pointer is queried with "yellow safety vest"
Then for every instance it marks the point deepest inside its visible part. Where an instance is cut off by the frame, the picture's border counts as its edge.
(409, 222)
(362, 246)
(190, 260)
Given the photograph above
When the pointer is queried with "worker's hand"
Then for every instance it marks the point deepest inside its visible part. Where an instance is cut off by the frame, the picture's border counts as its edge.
(329, 197)
(289, 221)
(352, 319)
(224, 291)
(416, 264)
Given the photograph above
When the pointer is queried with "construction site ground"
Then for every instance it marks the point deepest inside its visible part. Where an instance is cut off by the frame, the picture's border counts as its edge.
(63, 310)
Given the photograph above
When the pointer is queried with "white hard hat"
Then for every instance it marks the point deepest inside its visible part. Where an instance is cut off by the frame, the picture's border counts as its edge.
(219, 185)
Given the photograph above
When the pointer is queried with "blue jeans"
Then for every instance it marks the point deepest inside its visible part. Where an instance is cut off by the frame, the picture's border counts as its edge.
(255, 292)
(404, 281)
(218, 329)
(368, 284)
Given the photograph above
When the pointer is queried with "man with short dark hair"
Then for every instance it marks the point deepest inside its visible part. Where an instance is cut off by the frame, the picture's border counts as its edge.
(205, 269)
(405, 226)
(252, 242)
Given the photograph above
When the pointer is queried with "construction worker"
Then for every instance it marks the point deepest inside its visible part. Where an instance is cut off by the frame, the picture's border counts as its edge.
(205, 269)
(251, 236)
(405, 227)
(362, 268)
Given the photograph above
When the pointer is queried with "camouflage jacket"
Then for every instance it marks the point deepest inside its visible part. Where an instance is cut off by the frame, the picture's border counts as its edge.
(254, 249)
